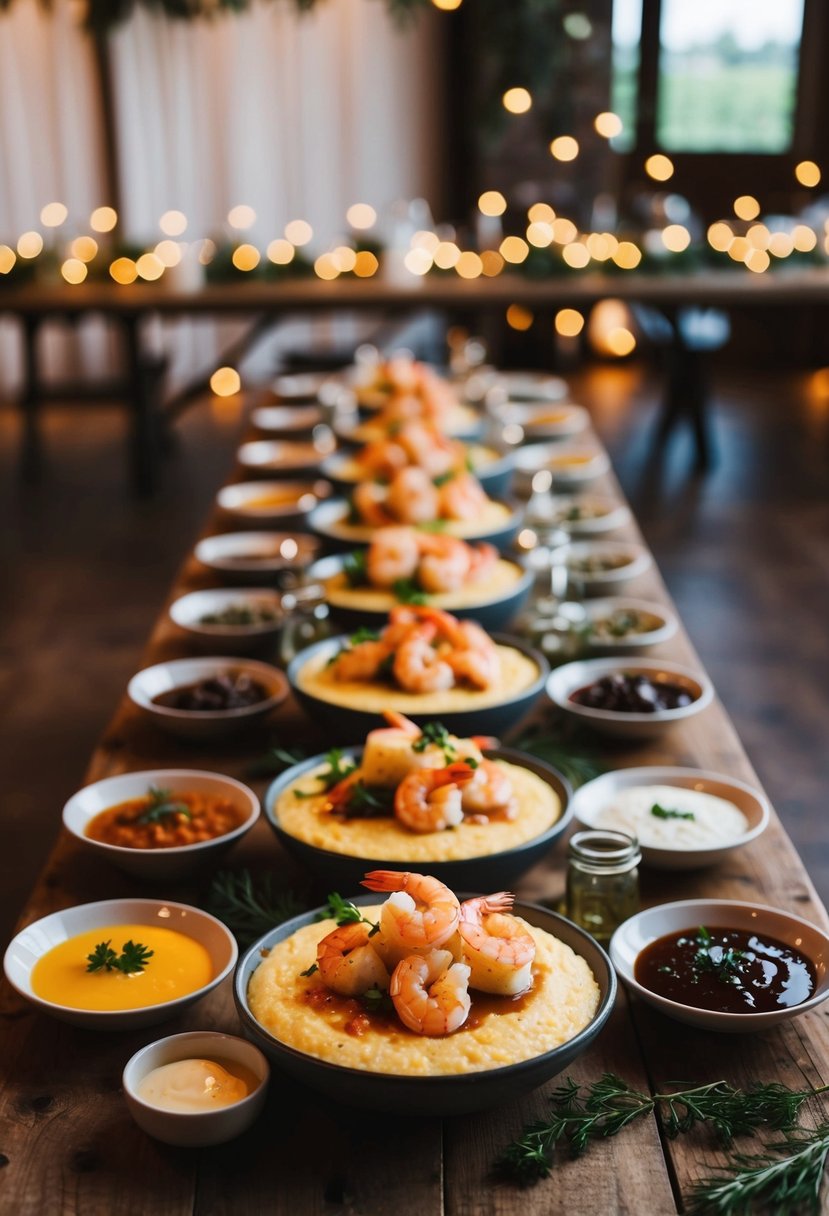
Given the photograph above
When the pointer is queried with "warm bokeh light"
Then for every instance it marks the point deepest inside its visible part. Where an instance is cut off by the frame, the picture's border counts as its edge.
(149, 267)
(576, 255)
(541, 213)
(739, 249)
(123, 270)
(225, 382)
(469, 265)
(564, 147)
(361, 215)
(659, 167)
(366, 264)
(676, 238)
(746, 207)
(447, 6)
(720, 236)
(819, 382)
(345, 258)
(492, 202)
(84, 248)
(103, 219)
(168, 253)
(241, 216)
(29, 244)
(513, 249)
(74, 270)
(246, 257)
(280, 252)
(569, 322)
(758, 236)
(807, 173)
(53, 215)
(540, 234)
(519, 318)
(207, 252)
(423, 239)
(298, 232)
(758, 261)
(602, 245)
(564, 230)
(7, 259)
(419, 261)
(517, 101)
(781, 244)
(804, 239)
(620, 342)
(608, 124)
(627, 256)
(326, 268)
(445, 256)
(173, 223)
(491, 263)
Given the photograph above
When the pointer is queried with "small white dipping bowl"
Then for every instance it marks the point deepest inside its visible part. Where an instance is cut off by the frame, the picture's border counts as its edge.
(635, 934)
(284, 458)
(631, 642)
(614, 514)
(158, 865)
(566, 680)
(604, 582)
(531, 386)
(241, 499)
(200, 724)
(196, 1129)
(592, 798)
(187, 613)
(288, 420)
(569, 463)
(557, 420)
(246, 557)
(31, 943)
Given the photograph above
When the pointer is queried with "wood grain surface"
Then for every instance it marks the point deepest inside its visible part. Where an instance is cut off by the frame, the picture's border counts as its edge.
(68, 1145)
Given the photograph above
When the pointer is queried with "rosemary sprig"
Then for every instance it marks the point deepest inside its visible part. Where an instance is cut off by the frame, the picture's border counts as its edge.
(133, 958)
(608, 1105)
(344, 912)
(160, 805)
(569, 753)
(250, 907)
(784, 1178)
(275, 761)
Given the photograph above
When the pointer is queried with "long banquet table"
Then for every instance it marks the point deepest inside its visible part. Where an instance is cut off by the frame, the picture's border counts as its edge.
(68, 1145)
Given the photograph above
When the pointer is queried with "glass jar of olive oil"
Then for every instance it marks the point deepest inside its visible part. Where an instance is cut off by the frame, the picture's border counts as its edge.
(602, 881)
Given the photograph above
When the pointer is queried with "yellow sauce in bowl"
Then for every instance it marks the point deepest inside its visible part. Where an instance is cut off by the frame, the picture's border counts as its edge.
(179, 965)
(492, 517)
(499, 582)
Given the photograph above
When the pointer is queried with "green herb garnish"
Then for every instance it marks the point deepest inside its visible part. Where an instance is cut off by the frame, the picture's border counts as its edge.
(661, 812)
(340, 766)
(367, 802)
(354, 567)
(161, 805)
(725, 963)
(309, 971)
(437, 734)
(132, 959)
(433, 525)
(363, 635)
(443, 478)
(407, 591)
(344, 912)
(250, 907)
(276, 761)
(375, 1000)
(785, 1177)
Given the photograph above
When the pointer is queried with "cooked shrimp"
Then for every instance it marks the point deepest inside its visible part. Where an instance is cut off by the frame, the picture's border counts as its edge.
(393, 554)
(444, 563)
(431, 992)
(417, 666)
(497, 946)
(348, 963)
(462, 497)
(429, 799)
(427, 448)
(471, 654)
(360, 662)
(369, 502)
(411, 497)
(421, 914)
(482, 558)
(489, 793)
(383, 458)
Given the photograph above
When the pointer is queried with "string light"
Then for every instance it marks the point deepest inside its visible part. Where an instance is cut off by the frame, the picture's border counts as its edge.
(7, 259)
(73, 270)
(564, 147)
(513, 249)
(804, 238)
(361, 215)
(519, 318)
(720, 236)
(739, 249)
(517, 101)
(608, 124)
(365, 264)
(807, 173)
(280, 252)
(491, 263)
(225, 382)
(149, 267)
(602, 245)
(746, 207)
(241, 216)
(168, 253)
(124, 271)
(326, 268)
(425, 240)
(758, 261)
(469, 265)
(621, 342)
(445, 256)
(564, 231)
(569, 322)
(29, 244)
(540, 234)
(659, 167)
(53, 215)
(541, 213)
(781, 244)
(173, 223)
(84, 248)
(298, 232)
(420, 261)
(103, 219)
(344, 258)
(758, 236)
(492, 202)
(207, 252)
(246, 257)
(576, 255)
(627, 256)
(447, 6)
(676, 238)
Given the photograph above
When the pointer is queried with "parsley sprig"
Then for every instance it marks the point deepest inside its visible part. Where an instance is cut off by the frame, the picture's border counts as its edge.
(344, 912)
(161, 805)
(661, 812)
(340, 766)
(133, 958)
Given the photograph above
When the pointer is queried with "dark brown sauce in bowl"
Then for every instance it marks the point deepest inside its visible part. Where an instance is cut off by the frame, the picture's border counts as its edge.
(726, 970)
(224, 691)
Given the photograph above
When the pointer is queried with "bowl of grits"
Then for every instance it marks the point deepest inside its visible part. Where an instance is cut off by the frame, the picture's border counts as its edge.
(492, 468)
(353, 708)
(469, 856)
(498, 523)
(500, 1054)
(683, 818)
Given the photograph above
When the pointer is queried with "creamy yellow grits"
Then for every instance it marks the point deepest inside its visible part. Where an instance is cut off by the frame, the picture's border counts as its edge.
(490, 518)
(317, 678)
(479, 457)
(455, 421)
(562, 1002)
(500, 580)
(388, 840)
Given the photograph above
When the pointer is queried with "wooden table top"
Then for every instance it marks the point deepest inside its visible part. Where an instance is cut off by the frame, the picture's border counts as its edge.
(68, 1145)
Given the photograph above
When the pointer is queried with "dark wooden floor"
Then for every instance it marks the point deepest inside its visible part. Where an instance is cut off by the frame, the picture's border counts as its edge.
(745, 552)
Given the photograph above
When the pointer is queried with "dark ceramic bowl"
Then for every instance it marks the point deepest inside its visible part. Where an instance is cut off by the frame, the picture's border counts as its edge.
(350, 724)
(494, 475)
(492, 614)
(344, 873)
(327, 518)
(457, 1094)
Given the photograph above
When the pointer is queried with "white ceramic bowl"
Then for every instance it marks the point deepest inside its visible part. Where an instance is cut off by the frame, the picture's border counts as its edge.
(287, 419)
(36, 939)
(192, 724)
(605, 582)
(196, 1129)
(631, 642)
(242, 499)
(250, 556)
(566, 680)
(646, 927)
(283, 458)
(615, 514)
(555, 420)
(158, 865)
(299, 386)
(591, 799)
(532, 386)
(187, 613)
(569, 463)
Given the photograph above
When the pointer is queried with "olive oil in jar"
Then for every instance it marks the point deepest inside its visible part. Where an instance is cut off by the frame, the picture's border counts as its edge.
(602, 881)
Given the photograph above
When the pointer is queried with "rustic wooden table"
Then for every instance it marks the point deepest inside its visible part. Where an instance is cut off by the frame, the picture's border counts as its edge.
(68, 1145)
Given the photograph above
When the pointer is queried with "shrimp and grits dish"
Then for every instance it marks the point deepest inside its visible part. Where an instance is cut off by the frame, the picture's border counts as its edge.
(422, 984)
(416, 443)
(411, 496)
(399, 390)
(417, 796)
(426, 660)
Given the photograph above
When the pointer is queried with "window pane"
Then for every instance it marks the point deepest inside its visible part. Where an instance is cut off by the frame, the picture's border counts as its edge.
(624, 84)
(728, 75)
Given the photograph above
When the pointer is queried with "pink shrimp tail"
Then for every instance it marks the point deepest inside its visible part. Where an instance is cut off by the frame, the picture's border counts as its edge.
(401, 722)
(385, 880)
(485, 742)
(501, 901)
(457, 773)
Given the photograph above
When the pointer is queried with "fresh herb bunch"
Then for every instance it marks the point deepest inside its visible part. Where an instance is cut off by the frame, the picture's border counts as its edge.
(161, 805)
(249, 906)
(276, 760)
(661, 812)
(133, 958)
(604, 1108)
(784, 1178)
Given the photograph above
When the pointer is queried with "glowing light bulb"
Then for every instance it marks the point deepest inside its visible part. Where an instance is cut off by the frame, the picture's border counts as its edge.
(168, 253)
(492, 202)
(124, 271)
(103, 219)
(469, 265)
(513, 249)
(541, 213)
(564, 231)
(298, 232)
(361, 215)
(746, 207)
(807, 173)
(659, 167)
(446, 255)
(420, 261)
(326, 268)
(519, 318)
(491, 263)
(149, 267)
(564, 147)
(225, 382)
(621, 342)
(517, 101)
(53, 215)
(280, 252)
(29, 244)
(676, 238)
(720, 236)
(173, 223)
(366, 264)
(447, 6)
(627, 256)
(74, 270)
(246, 257)
(576, 255)
(84, 248)
(241, 216)
(540, 234)
(7, 259)
(608, 124)
(569, 322)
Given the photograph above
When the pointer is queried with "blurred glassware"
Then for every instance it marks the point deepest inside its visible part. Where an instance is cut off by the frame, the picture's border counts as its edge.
(306, 620)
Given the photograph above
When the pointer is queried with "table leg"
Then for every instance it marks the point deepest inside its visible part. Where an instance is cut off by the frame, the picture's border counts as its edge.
(31, 450)
(143, 446)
